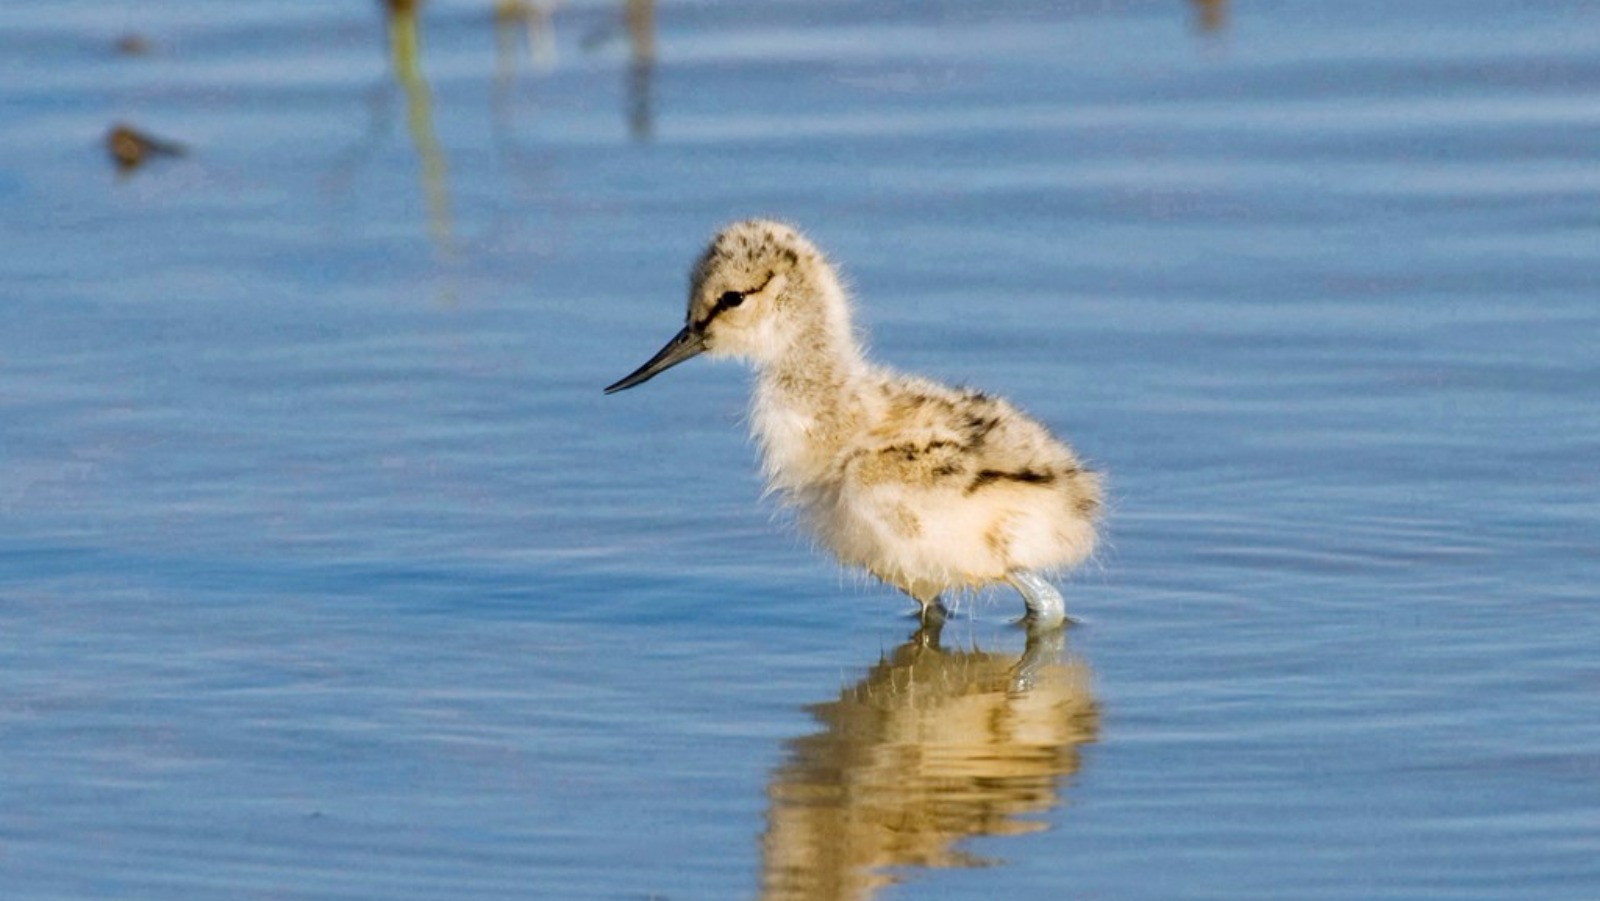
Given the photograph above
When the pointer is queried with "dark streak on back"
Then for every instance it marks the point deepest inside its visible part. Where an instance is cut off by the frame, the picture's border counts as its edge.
(909, 451)
(991, 476)
(978, 427)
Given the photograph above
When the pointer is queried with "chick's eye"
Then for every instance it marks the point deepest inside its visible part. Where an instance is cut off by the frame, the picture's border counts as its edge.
(730, 299)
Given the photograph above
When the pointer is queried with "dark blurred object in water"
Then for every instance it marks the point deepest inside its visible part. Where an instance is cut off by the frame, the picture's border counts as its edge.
(1213, 14)
(403, 7)
(133, 44)
(131, 148)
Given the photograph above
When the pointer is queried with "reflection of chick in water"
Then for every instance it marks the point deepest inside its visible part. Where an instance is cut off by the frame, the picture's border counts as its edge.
(933, 746)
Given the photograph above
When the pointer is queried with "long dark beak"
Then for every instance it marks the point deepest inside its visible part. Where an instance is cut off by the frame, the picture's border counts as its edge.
(685, 344)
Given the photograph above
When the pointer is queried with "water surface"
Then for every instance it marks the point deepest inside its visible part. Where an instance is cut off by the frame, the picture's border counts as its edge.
(329, 573)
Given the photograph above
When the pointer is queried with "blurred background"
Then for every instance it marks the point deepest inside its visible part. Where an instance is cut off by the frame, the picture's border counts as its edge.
(326, 571)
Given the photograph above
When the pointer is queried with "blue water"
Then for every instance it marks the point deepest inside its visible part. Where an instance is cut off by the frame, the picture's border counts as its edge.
(326, 571)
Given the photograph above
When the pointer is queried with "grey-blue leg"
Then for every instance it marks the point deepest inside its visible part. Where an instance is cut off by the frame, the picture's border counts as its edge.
(1045, 605)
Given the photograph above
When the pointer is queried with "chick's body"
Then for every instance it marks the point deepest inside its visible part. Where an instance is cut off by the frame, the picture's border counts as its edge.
(929, 488)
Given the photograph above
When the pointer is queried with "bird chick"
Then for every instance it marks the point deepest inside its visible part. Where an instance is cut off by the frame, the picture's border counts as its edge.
(929, 488)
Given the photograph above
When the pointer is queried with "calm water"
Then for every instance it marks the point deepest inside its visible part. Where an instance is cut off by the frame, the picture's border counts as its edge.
(327, 572)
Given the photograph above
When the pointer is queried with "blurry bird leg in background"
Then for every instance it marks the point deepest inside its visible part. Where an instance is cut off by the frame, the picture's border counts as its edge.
(641, 64)
(405, 44)
(512, 20)
(638, 19)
